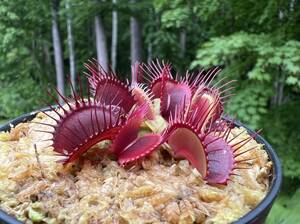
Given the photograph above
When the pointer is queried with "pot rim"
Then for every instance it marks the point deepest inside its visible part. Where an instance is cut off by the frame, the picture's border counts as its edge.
(250, 217)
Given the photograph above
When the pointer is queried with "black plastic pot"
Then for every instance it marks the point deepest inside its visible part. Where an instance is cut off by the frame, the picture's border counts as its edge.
(255, 216)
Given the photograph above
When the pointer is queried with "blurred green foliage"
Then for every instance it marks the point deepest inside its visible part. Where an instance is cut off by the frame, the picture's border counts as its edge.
(23, 74)
(249, 103)
(282, 132)
(20, 96)
(257, 64)
(285, 209)
(256, 43)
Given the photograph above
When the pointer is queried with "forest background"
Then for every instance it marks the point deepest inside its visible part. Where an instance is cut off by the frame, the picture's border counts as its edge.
(255, 42)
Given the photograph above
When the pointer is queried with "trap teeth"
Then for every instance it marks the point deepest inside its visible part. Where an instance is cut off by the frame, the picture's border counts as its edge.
(191, 105)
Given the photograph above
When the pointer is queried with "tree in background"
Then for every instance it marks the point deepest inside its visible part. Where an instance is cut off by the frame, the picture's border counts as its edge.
(59, 66)
(114, 37)
(102, 55)
(71, 44)
(135, 38)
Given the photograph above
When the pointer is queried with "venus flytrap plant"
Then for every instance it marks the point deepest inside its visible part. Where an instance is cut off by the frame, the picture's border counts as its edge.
(190, 110)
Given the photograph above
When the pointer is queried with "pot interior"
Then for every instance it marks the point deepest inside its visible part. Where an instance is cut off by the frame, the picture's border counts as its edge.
(257, 215)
